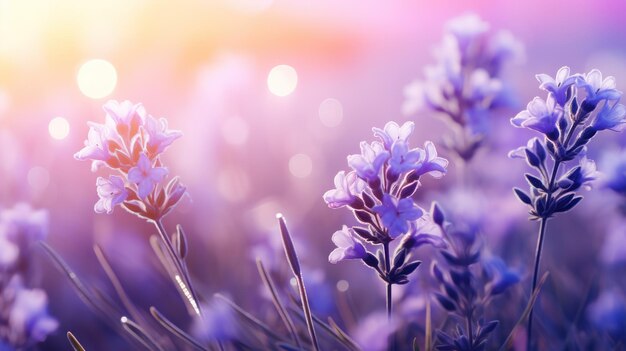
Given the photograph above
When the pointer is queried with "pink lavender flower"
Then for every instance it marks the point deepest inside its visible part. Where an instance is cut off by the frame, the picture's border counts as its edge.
(560, 86)
(146, 176)
(348, 247)
(158, 136)
(396, 214)
(112, 192)
(368, 164)
(126, 117)
(347, 188)
(96, 146)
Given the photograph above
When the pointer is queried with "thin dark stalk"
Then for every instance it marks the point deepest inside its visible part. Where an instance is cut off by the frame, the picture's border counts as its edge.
(388, 269)
(75, 344)
(470, 330)
(182, 281)
(307, 312)
(250, 318)
(174, 329)
(269, 283)
(540, 240)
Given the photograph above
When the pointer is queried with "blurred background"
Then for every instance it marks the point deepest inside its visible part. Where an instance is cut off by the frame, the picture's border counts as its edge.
(271, 97)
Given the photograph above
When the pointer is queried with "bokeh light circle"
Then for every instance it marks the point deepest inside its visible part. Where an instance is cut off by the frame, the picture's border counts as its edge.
(330, 112)
(97, 78)
(282, 80)
(59, 128)
(300, 165)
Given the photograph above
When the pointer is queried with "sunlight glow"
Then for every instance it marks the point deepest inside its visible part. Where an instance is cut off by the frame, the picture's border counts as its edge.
(97, 78)
(59, 128)
(282, 80)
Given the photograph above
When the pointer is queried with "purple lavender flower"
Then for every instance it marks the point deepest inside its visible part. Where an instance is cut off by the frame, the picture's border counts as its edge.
(23, 223)
(146, 176)
(112, 192)
(396, 214)
(368, 164)
(613, 164)
(608, 312)
(465, 84)
(8, 250)
(403, 160)
(541, 116)
(560, 86)
(432, 164)
(29, 315)
(597, 89)
(424, 231)
(610, 117)
(347, 189)
(216, 324)
(348, 247)
(373, 332)
(392, 133)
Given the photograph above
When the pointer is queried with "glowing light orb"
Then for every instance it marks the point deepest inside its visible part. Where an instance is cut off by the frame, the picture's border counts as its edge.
(282, 80)
(97, 78)
(59, 128)
(300, 165)
(330, 112)
(343, 285)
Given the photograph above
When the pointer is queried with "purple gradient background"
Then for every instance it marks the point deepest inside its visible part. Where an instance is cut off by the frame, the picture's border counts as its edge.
(200, 62)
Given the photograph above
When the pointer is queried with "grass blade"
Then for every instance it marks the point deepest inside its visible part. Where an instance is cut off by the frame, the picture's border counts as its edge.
(269, 283)
(508, 343)
(248, 317)
(172, 328)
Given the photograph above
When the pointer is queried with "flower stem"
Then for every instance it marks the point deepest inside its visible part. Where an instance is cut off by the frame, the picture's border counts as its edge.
(388, 269)
(181, 277)
(540, 239)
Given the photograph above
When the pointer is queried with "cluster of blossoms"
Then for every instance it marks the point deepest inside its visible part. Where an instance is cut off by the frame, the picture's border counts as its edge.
(131, 142)
(379, 191)
(577, 107)
(467, 281)
(24, 318)
(465, 85)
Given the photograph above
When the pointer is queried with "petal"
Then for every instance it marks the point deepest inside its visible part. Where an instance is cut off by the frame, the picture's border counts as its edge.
(336, 255)
(145, 187)
(562, 74)
(135, 175)
(341, 238)
(157, 174)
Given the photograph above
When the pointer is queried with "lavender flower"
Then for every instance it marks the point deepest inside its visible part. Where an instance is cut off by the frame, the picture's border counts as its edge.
(389, 171)
(146, 176)
(347, 189)
(348, 247)
(568, 127)
(112, 192)
(467, 283)
(465, 84)
(396, 214)
(24, 317)
(131, 142)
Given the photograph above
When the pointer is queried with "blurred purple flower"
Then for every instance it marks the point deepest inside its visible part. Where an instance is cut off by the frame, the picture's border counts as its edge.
(373, 332)
(348, 247)
(501, 276)
(368, 164)
(392, 133)
(217, 323)
(559, 87)
(22, 222)
(29, 315)
(8, 250)
(539, 115)
(466, 28)
(145, 175)
(424, 231)
(608, 312)
(111, 191)
(347, 188)
(396, 214)
(613, 165)
(612, 117)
